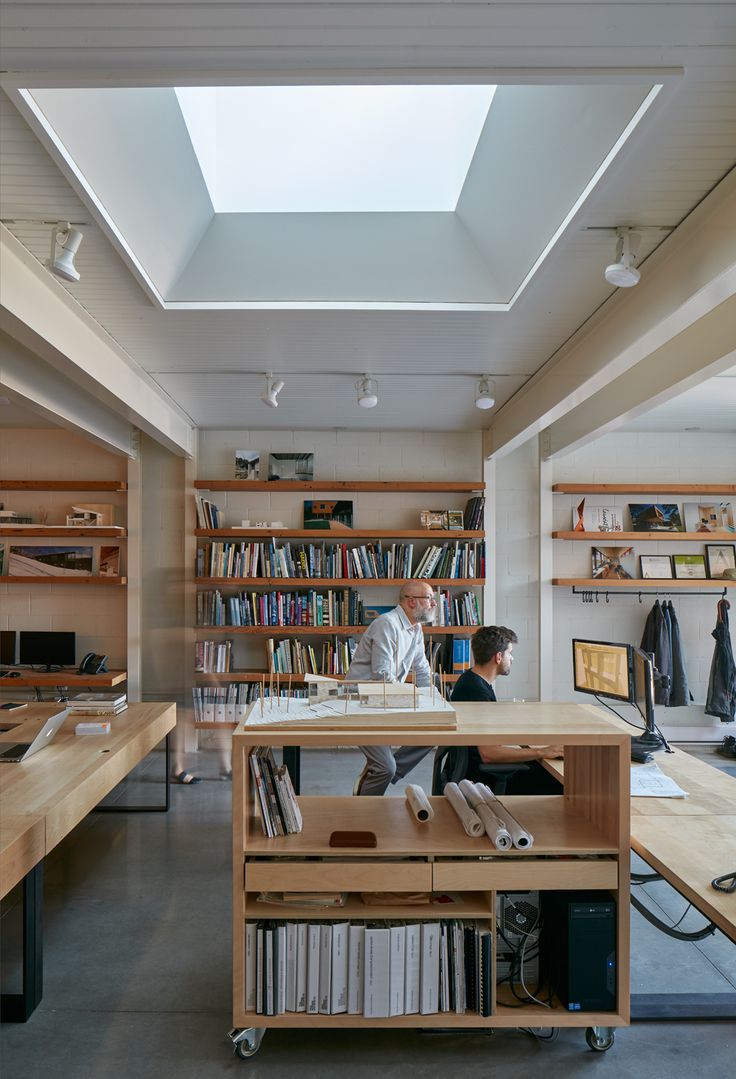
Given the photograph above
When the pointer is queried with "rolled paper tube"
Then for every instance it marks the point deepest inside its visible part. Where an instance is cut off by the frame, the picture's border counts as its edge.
(495, 828)
(470, 820)
(419, 804)
(520, 836)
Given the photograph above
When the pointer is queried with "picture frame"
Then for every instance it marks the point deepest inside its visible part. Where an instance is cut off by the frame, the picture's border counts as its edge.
(246, 464)
(613, 563)
(433, 520)
(330, 515)
(720, 557)
(455, 520)
(656, 567)
(655, 517)
(689, 567)
(291, 467)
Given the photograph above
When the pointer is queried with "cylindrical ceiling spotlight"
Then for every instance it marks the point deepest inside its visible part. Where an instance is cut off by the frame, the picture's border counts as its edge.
(68, 239)
(274, 386)
(485, 396)
(367, 388)
(622, 273)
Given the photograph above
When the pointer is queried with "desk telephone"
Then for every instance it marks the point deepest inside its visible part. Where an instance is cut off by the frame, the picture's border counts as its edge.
(93, 664)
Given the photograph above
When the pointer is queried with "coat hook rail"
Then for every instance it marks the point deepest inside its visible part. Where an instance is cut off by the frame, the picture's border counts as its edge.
(587, 594)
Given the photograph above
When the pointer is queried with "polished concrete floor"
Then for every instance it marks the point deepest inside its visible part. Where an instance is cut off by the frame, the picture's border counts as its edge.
(137, 966)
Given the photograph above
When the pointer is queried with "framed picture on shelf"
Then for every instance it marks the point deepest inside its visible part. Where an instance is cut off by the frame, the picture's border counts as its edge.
(655, 517)
(720, 557)
(246, 465)
(613, 563)
(50, 562)
(709, 517)
(333, 515)
(689, 566)
(291, 466)
(655, 567)
(433, 519)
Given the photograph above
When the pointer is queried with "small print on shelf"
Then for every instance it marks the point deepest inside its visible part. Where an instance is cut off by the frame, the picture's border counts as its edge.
(721, 561)
(709, 517)
(433, 519)
(246, 465)
(689, 566)
(613, 563)
(656, 567)
(597, 518)
(291, 466)
(655, 517)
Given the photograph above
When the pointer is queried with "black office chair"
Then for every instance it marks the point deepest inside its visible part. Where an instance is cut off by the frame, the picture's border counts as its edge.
(452, 763)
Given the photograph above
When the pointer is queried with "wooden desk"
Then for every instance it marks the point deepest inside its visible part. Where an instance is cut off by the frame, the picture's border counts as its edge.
(44, 798)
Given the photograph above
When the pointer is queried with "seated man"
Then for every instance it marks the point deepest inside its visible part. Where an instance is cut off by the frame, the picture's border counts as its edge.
(492, 656)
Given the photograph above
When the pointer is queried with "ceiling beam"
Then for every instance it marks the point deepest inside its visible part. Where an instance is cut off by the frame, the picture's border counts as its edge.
(691, 274)
(38, 312)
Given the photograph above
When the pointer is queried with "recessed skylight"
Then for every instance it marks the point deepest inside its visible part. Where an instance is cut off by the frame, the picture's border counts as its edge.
(331, 149)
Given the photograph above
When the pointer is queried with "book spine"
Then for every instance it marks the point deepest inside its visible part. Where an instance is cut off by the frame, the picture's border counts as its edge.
(412, 972)
(325, 967)
(313, 954)
(356, 951)
(339, 978)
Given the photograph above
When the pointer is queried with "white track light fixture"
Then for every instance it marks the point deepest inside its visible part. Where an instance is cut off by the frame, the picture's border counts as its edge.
(367, 388)
(485, 396)
(622, 273)
(68, 239)
(274, 386)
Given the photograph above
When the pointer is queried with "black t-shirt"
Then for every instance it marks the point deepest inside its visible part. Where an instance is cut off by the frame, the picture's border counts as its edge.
(471, 687)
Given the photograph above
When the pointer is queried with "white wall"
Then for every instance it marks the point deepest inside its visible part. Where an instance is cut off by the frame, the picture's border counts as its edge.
(97, 614)
(688, 457)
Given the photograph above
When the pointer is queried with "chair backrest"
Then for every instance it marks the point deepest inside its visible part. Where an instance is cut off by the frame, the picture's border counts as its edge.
(452, 763)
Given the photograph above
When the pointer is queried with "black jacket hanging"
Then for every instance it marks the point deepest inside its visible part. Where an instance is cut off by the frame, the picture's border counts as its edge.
(721, 699)
(679, 691)
(656, 640)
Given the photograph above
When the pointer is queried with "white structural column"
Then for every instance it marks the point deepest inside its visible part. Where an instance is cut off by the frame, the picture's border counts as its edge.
(38, 312)
(686, 286)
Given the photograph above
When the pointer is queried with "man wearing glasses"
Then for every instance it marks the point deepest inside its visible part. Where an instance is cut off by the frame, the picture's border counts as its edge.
(390, 648)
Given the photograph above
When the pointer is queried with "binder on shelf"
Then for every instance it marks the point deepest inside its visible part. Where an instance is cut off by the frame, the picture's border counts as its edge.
(430, 967)
(291, 960)
(313, 952)
(397, 969)
(280, 969)
(377, 968)
(339, 978)
(356, 952)
(250, 967)
(325, 967)
(412, 970)
(301, 967)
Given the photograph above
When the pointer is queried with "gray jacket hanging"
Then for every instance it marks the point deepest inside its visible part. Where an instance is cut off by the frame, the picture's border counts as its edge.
(679, 691)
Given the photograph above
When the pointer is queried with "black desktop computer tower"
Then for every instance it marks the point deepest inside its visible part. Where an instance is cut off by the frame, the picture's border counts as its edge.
(579, 949)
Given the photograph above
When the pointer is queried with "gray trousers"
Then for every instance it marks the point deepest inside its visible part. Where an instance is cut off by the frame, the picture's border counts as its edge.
(386, 766)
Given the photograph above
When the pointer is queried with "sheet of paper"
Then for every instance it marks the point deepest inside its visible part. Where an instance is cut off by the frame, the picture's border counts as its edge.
(649, 781)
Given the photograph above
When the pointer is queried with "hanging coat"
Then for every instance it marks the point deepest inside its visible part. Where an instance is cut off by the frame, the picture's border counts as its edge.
(679, 691)
(656, 640)
(721, 699)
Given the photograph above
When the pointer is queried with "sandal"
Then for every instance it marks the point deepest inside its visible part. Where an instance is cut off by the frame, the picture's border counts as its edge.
(186, 778)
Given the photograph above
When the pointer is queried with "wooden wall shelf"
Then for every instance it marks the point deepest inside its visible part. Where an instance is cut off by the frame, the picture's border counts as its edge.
(644, 488)
(636, 584)
(317, 535)
(334, 582)
(62, 678)
(63, 485)
(93, 579)
(660, 537)
(304, 631)
(102, 531)
(261, 676)
(335, 485)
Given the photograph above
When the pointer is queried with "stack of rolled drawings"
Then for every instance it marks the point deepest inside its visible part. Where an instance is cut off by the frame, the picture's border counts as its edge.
(469, 819)
(495, 828)
(521, 838)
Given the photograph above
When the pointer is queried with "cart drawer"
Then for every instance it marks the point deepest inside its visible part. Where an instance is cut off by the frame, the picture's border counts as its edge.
(338, 877)
(522, 874)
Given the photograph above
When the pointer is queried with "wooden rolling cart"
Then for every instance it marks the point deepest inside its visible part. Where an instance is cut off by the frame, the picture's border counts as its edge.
(581, 841)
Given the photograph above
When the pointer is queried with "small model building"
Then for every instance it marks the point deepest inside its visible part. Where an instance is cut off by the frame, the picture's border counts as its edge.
(91, 515)
(321, 688)
(386, 695)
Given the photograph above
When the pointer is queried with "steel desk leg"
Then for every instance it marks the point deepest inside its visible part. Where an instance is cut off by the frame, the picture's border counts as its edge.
(18, 1007)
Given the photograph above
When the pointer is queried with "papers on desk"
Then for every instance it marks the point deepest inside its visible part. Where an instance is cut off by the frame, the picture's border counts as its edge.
(649, 781)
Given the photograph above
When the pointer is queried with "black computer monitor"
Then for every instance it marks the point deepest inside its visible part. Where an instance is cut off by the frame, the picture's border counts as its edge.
(644, 699)
(49, 650)
(603, 669)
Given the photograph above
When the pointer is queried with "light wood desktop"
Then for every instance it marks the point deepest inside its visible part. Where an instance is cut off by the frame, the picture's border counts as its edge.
(25, 677)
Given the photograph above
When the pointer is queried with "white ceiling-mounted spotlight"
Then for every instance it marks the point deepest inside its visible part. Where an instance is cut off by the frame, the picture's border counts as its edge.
(367, 388)
(622, 273)
(274, 386)
(66, 238)
(485, 396)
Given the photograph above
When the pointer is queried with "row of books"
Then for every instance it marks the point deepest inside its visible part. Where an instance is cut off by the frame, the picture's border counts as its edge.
(97, 704)
(213, 657)
(373, 969)
(325, 560)
(208, 515)
(474, 513)
(228, 704)
(292, 656)
(462, 610)
(462, 657)
(343, 607)
(275, 798)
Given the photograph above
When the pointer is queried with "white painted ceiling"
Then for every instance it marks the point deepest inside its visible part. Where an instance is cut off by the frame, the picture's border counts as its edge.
(211, 363)
(711, 406)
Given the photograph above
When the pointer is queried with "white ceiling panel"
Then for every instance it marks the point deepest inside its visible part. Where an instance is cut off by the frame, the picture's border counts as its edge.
(708, 407)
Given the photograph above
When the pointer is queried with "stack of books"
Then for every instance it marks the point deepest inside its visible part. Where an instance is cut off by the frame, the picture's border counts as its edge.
(98, 704)
(275, 797)
(473, 516)
(374, 969)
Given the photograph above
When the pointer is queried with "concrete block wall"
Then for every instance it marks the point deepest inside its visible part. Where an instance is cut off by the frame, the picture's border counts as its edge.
(96, 614)
(643, 457)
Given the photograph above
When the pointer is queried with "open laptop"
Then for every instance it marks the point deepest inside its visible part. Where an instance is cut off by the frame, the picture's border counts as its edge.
(21, 751)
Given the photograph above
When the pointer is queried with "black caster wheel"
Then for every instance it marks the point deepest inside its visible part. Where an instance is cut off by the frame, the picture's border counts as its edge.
(599, 1039)
(246, 1043)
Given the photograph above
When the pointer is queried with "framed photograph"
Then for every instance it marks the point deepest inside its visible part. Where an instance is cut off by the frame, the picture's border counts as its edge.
(433, 519)
(720, 557)
(50, 561)
(613, 563)
(689, 566)
(597, 518)
(455, 520)
(655, 517)
(246, 465)
(109, 561)
(656, 567)
(329, 515)
(709, 517)
(291, 466)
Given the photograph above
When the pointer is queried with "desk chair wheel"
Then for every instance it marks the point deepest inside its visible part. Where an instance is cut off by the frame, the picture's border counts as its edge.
(599, 1039)
(247, 1042)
